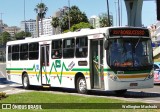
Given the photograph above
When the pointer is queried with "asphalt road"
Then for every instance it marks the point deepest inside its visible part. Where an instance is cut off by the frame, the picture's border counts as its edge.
(151, 95)
(2, 70)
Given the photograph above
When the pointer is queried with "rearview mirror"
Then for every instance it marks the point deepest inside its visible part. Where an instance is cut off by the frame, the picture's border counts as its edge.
(106, 45)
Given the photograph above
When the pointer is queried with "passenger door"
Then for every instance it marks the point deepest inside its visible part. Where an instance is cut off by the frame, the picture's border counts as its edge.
(96, 63)
(44, 64)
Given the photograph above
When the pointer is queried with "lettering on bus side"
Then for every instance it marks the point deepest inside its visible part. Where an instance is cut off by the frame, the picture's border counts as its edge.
(71, 65)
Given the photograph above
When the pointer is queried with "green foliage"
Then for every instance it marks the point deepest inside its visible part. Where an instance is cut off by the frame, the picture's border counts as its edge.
(81, 25)
(55, 22)
(22, 34)
(104, 20)
(40, 98)
(41, 10)
(4, 38)
(2, 95)
(75, 16)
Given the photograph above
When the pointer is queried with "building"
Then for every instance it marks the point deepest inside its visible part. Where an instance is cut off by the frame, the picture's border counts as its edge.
(29, 26)
(47, 27)
(158, 31)
(11, 30)
(153, 29)
(94, 21)
(60, 13)
(155, 35)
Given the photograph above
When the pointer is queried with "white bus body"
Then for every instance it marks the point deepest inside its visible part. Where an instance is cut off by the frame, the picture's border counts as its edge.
(83, 63)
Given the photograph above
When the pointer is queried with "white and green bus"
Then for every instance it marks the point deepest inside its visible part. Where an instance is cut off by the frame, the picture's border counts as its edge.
(111, 58)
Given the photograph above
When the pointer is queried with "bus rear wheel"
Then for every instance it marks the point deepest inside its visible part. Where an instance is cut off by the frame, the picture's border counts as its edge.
(81, 85)
(25, 81)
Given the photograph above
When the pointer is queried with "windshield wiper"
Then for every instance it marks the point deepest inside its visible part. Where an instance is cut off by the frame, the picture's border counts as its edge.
(138, 42)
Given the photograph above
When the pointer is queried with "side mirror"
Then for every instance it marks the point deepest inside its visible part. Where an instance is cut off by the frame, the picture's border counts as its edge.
(106, 45)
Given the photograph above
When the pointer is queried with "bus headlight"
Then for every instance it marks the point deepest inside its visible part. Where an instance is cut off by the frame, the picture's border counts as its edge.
(150, 75)
(113, 77)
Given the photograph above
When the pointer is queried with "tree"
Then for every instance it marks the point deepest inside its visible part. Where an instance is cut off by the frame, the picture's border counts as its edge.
(81, 25)
(22, 35)
(75, 15)
(55, 22)
(4, 38)
(104, 20)
(41, 10)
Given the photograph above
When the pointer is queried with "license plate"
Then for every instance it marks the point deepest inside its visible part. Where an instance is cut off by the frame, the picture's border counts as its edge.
(133, 84)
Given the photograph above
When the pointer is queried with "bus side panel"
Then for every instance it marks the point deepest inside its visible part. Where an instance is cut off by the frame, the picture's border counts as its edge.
(17, 68)
(33, 71)
(60, 76)
(63, 72)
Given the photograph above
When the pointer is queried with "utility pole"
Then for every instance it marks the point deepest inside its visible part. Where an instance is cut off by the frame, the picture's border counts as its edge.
(108, 13)
(119, 19)
(116, 10)
(121, 12)
(1, 25)
(69, 21)
(24, 18)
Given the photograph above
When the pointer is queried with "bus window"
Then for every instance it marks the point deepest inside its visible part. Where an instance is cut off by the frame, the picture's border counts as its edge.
(9, 53)
(81, 47)
(15, 52)
(33, 51)
(56, 49)
(68, 48)
(24, 52)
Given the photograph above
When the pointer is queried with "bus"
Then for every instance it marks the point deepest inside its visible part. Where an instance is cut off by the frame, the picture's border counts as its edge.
(109, 58)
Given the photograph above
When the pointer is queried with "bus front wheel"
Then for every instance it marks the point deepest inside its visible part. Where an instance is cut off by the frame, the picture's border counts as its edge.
(81, 85)
(25, 81)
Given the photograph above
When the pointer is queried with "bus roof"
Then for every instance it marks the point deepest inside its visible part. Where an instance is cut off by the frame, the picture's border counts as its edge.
(82, 32)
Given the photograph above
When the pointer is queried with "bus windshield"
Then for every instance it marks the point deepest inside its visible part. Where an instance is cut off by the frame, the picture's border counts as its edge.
(130, 54)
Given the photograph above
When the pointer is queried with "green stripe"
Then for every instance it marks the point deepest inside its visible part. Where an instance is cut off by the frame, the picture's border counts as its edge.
(30, 69)
(81, 69)
(14, 69)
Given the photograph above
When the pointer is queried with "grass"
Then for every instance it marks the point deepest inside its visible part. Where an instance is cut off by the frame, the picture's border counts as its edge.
(44, 97)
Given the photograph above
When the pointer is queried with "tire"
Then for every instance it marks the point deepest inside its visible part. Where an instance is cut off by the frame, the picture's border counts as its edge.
(81, 85)
(25, 81)
(120, 92)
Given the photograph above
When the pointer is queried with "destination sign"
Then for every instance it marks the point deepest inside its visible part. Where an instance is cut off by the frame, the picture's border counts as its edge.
(128, 32)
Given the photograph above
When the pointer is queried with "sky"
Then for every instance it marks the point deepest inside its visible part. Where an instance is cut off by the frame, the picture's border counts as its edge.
(13, 10)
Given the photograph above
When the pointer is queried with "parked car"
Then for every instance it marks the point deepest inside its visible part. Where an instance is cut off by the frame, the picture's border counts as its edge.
(156, 72)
